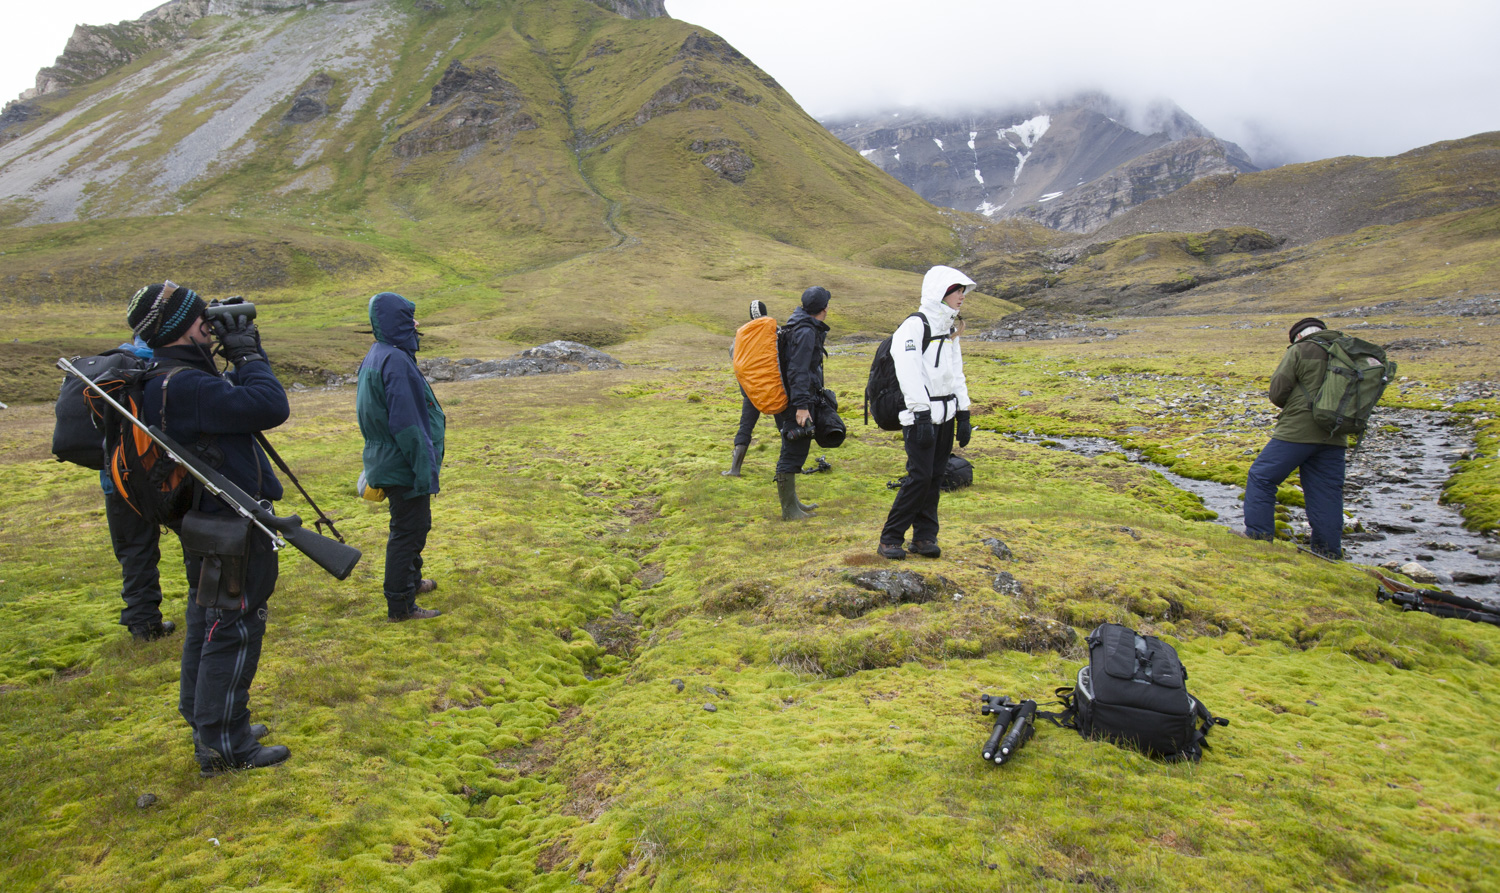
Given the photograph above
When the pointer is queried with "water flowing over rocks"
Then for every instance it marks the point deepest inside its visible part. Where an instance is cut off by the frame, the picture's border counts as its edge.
(555, 357)
(1394, 516)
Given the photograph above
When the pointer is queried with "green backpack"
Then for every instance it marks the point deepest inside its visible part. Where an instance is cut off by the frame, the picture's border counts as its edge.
(1358, 372)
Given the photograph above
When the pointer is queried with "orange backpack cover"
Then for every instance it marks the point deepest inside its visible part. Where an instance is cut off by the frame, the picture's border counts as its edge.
(757, 365)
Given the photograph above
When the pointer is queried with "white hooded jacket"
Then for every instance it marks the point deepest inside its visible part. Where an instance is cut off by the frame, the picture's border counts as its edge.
(932, 379)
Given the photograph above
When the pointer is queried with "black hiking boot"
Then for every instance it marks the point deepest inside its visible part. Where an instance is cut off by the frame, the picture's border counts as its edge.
(426, 586)
(791, 509)
(735, 458)
(260, 758)
(204, 756)
(416, 613)
(892, 551)
(926, 548)
(150, 632)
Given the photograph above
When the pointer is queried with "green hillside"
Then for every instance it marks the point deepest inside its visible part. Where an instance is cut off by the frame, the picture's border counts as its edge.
(528, 171)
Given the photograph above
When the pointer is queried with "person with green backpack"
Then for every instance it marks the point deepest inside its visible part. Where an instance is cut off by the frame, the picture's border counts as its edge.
(1326, 385)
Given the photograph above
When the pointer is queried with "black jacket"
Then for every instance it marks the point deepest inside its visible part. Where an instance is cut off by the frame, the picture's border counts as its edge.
(223, 413)
(803, 372)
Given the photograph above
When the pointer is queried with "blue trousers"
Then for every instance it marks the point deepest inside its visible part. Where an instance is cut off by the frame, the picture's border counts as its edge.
(1322, 472)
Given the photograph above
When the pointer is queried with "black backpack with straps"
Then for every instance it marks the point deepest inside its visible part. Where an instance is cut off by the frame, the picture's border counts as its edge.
(1134, 692)
(883, 398)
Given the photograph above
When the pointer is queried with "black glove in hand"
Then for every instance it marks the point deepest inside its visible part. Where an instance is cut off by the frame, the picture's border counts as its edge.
(920, 432)
(240, 339)
(964, 429)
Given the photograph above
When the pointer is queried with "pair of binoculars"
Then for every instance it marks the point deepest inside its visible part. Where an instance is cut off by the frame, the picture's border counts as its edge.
(223, 311)
(1014, 724)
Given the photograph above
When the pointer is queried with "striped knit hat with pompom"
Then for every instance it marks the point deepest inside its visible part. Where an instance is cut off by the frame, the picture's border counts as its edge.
(163, 312)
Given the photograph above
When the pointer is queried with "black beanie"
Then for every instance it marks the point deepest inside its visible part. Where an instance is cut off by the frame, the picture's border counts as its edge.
(815, 299)
(757, 309)
(1307, 322)
(163, 312)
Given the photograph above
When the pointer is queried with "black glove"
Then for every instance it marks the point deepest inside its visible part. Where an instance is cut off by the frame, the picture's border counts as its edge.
(239, 338)
(920, 432)
(964, 429)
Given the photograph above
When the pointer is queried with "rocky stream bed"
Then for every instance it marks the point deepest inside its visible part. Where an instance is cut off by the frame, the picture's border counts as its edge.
(1391, 500)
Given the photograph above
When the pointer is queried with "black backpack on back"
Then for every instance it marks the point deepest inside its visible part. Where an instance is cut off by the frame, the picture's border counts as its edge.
(1134, 692)
(883, 398)
(76, 438)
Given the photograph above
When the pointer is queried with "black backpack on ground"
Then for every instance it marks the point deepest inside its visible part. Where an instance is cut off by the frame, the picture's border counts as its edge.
(1134, 693)
(883, 398)
(958, 474)
(76, 437)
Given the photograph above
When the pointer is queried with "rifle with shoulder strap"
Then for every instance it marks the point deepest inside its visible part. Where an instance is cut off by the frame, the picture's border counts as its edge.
(332, 556)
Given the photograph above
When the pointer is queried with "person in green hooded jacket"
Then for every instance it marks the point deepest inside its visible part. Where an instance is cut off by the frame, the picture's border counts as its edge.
(403, 427)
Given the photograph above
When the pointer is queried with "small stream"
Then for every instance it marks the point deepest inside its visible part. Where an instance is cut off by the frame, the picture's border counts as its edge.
(1391, 491)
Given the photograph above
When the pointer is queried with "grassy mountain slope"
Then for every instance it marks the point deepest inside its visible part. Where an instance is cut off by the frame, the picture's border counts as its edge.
(601, 590)
(1441, 242)
(526, 170)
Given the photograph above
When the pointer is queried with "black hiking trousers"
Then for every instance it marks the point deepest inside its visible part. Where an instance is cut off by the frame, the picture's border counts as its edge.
(749, 415)
(793, 452)
(916, 503)
(138, 549)
(220, 654)
(411, 521)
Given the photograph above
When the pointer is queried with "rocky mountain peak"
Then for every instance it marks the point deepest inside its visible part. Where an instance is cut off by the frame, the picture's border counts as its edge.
(1071, 165)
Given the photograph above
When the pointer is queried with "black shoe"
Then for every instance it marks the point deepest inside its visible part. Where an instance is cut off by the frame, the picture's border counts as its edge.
(150, 632)
(926, 548)
(260, 758)
(204, 756)
(892, 551)
(416, 614)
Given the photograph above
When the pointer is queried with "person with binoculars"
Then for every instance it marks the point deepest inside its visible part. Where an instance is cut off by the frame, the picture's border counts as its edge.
(805, 333)
(217, 417)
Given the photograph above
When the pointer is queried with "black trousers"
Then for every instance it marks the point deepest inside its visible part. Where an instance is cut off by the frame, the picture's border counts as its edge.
(749, 415)
(220, 654)
(411, 520)
(916, 504)
(793, 452)
(137, 547)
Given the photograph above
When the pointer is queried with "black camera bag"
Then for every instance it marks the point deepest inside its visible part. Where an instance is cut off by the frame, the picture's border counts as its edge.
(1134, 692)
(828, 429)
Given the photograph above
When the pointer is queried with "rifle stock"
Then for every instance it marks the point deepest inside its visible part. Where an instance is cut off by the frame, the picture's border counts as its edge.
(331, 555)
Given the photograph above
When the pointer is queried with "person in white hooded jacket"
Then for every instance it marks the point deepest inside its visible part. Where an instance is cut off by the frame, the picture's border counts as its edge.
(930, 367)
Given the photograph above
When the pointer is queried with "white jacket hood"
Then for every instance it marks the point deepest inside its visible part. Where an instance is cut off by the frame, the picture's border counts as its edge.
(937, 281)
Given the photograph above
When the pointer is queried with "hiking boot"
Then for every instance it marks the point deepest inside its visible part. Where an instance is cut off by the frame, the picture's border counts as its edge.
(786, 489)
(926, 548)
(892, 551)
(426, 586)
(735, 458)
(416, 614)
(204, 756)
(150, 632)
(260, 758)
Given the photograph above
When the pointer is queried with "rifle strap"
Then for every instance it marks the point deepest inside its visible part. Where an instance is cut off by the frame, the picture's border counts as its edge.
(322, 519)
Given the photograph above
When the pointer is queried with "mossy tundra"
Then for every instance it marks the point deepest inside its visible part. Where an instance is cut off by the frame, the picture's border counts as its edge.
(603, 587)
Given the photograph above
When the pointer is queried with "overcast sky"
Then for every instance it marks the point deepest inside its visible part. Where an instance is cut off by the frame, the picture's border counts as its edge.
(1290, 80)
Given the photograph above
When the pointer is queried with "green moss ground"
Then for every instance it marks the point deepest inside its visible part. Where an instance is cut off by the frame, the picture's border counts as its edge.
(592, 558)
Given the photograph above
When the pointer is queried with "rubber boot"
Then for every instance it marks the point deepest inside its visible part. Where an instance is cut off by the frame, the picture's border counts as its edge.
(735, 459)
(786, 489)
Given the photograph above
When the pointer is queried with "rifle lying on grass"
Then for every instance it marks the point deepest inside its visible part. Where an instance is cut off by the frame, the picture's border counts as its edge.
(331, 555)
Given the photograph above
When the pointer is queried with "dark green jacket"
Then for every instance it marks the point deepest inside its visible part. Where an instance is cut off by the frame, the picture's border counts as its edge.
(1296, 380)
(399, 416)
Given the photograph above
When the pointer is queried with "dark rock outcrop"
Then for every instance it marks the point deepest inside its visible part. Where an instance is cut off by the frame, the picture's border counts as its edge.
(311, 101)
(552, 358)
(725, 158)
(472, 106)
